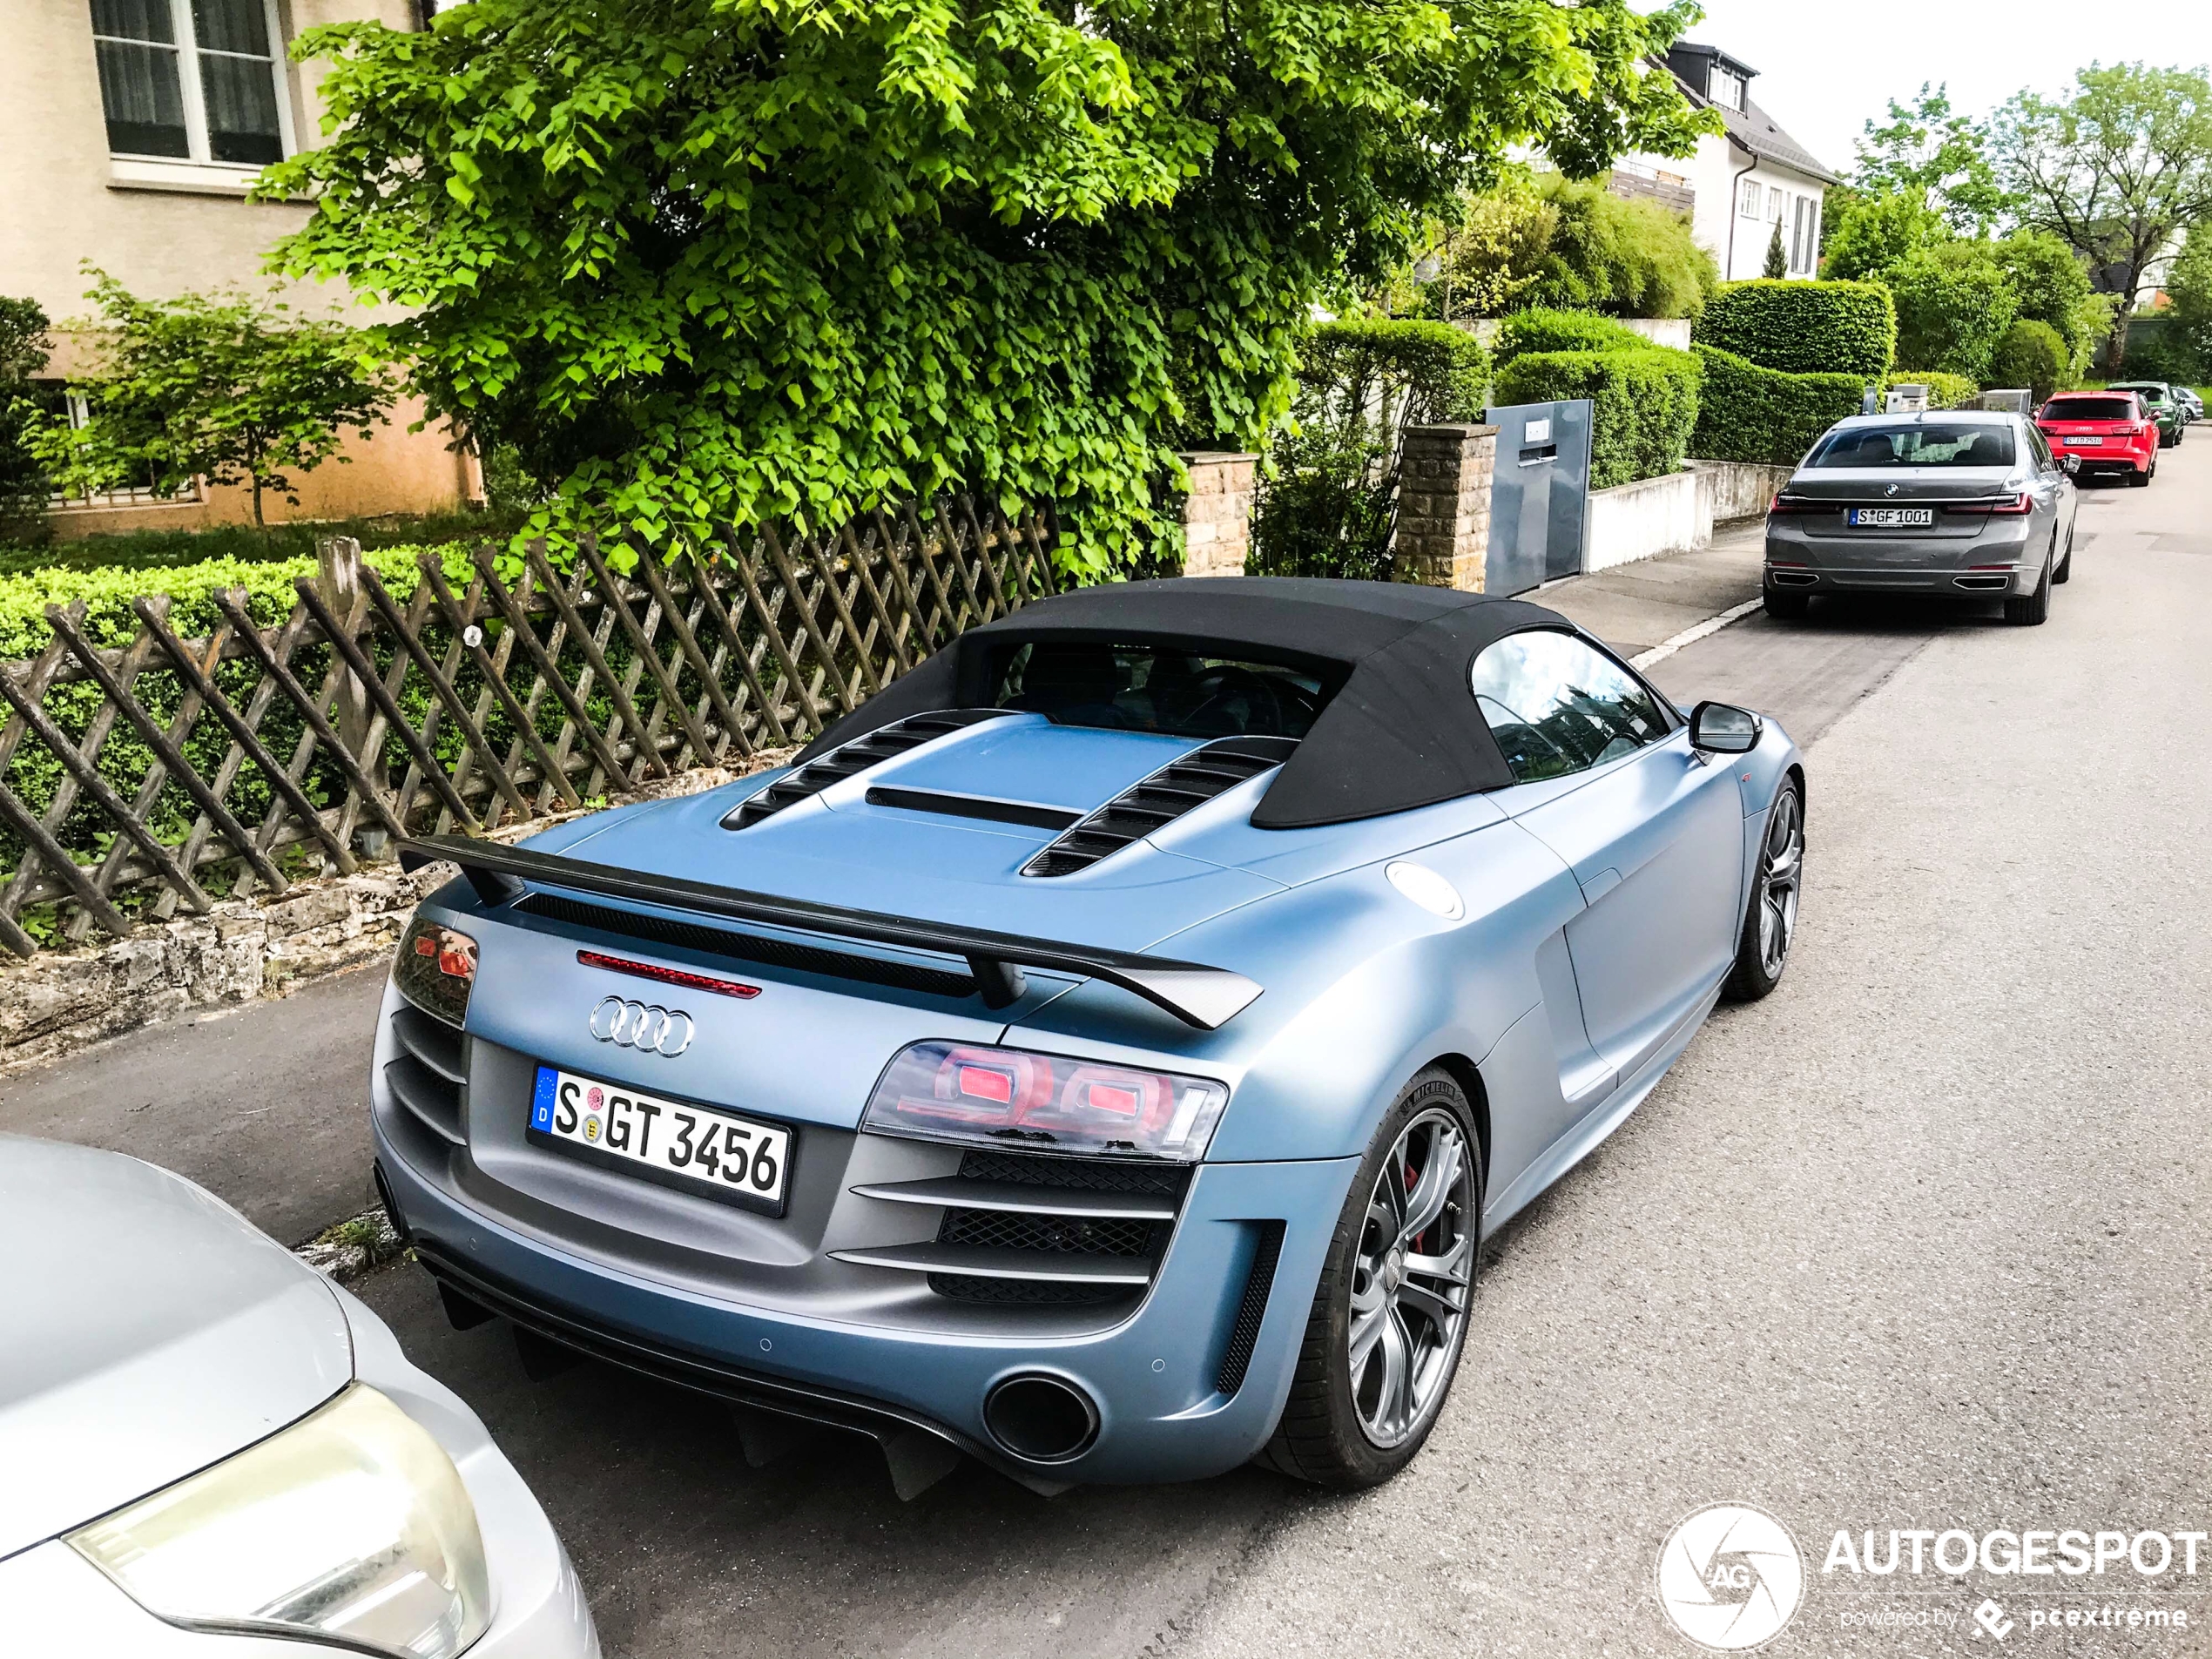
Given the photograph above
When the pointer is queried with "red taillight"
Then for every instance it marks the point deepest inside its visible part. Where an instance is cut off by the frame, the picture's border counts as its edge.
(1999, 507)
(436, 969)
(1008, 1096)
(1787, 506)
(689, 981)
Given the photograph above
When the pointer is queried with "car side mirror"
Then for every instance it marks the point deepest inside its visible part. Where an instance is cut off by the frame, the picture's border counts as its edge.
(2072, 465)
(1722, 728)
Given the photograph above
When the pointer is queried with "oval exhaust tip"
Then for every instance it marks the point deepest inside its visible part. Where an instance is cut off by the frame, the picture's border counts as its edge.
(1040, 1419)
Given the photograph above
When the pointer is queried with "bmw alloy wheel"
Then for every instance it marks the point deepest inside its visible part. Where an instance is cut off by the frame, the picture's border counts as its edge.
(1411, 1279)
(1784, 862)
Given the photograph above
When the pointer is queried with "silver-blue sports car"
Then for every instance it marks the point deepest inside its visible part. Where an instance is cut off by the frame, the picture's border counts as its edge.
(1102, 1054)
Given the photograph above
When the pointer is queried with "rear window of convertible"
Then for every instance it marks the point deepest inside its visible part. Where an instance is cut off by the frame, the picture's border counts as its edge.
(1146, 687)
(1932, 444)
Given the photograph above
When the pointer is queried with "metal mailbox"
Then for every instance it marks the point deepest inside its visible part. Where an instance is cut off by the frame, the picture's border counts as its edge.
(1540, 494)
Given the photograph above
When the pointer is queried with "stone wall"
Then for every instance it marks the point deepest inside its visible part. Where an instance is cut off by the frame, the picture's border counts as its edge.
(60, 1002)
(1217, 512)
(1444, 505)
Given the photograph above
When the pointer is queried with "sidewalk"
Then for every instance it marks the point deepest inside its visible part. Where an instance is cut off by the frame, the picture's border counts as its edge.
(1636, 607)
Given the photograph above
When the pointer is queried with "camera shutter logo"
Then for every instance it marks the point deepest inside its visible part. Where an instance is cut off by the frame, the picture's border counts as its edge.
(643, 1026)
(1730, 1577)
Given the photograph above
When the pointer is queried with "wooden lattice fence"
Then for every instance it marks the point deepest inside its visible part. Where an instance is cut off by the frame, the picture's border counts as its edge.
(162, 773)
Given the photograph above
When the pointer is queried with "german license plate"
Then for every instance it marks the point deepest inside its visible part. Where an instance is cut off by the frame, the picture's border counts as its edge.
(2085, 444)
(677, 1142)
(1892, 518)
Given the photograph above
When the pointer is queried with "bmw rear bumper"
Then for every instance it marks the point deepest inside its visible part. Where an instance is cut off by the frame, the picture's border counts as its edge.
(1153, 1377)
(2005, 558)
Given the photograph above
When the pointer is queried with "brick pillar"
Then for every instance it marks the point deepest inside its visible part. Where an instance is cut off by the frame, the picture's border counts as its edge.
(1444, 505)
(1217, 514)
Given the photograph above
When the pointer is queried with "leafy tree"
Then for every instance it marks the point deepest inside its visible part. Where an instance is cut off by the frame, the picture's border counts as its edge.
(2120, 168)
(2053, 287)
(2189, 285)
(1778, 257)
(1869, 234)
(1931, 154)
(1572, 244)
(700, 260)
(23, 354)
(2033, 355)
(224, 386)
(1953, 305)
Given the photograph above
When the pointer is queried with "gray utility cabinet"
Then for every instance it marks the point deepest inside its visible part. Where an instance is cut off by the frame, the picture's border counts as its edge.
(1540, 494)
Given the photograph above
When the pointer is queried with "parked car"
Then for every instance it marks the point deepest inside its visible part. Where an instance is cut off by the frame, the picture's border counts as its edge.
(2192, 405)
(1102, 1052)
(207, 1445)
(2104, 431)
(1968, 502)
(2165, 408)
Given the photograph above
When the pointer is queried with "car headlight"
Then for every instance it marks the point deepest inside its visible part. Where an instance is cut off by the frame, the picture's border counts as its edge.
(1017, 1100)
(352, 1525)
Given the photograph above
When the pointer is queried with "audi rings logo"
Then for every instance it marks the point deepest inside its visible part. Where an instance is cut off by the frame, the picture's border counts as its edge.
(646, 1026)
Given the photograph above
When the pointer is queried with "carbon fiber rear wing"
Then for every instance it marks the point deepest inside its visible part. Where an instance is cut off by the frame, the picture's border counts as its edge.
(1205, 997)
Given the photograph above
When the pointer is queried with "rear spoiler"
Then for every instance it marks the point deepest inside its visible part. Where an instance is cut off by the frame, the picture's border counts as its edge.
(1205, 997)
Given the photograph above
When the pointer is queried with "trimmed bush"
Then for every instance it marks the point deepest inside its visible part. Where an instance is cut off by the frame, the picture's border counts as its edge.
(1803, 328)
(1944, 391)
(1953, 305)
(1542, 330)
(2033, 355)
(1746, 413)
(1645, 404)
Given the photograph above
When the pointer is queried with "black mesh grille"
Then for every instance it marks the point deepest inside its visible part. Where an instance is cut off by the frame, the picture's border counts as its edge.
(1019, 1292)
(1160, 799)
(1062, 1235)
(1238, 1357)
(1079, 1174)
(848, 759)
(748, 948)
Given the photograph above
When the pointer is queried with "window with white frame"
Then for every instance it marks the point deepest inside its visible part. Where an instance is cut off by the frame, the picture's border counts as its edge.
(192, 80)
(1751, 195)
(1776, 200)
(142, 493)
(1802, 236)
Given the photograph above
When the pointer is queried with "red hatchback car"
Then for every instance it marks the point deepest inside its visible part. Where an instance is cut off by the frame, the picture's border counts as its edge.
(2104, 431)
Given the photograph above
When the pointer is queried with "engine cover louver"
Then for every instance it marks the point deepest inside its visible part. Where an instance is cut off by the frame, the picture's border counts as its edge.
(848, 759)
(1159, 800)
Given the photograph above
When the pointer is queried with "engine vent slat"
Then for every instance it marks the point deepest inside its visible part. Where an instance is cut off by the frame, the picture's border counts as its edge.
(848, 759)
(1152, 803)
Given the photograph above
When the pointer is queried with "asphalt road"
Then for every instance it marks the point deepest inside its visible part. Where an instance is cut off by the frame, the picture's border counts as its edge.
(1913, 1243)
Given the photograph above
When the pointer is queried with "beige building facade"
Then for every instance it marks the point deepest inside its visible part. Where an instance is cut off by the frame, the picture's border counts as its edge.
(129, 133)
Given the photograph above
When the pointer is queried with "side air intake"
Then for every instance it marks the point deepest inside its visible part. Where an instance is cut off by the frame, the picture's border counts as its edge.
(1159, 800)
(848, 759)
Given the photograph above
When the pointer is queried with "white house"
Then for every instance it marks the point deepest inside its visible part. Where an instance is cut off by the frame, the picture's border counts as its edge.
(1740, 184)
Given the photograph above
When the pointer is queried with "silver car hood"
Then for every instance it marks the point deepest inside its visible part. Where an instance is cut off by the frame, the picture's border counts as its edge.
(146, 1330)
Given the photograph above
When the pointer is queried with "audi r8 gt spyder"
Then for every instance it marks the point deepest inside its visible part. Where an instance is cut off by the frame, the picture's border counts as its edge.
(1105, 1051)
(209, 1451)
(2104, 431)
(1966, 502)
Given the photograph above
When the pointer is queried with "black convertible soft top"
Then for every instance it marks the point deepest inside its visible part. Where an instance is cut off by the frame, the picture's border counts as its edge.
(1402, 732)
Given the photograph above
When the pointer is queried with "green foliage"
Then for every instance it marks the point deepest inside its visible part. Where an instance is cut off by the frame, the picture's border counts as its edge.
(1944, 391)
(1953, 305)
(159, 550)
(1931, 155)
(2160, 354)
(708, 260)
(223, 387)
(1803, 328)
(2189, 285)
(1645, 404)
(1628, 257)
(2053, 287)
(1747, 412)
(2033, 355)
(1541, 329)
(1327, 505)
(1778, 257)
(23, 353)
(2118, 168)
(1864, 234)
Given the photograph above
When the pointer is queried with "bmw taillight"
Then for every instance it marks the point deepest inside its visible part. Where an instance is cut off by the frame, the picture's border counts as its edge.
(436, 969)
(1996, 506)
(1787, 506)
(1010, 1098)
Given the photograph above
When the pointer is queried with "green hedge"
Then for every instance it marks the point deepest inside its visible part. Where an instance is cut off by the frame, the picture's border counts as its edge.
(1541, 330)
(1803, 328)
(2031, 354)
(1944, 391)
(1747, 413)
(1645, 404)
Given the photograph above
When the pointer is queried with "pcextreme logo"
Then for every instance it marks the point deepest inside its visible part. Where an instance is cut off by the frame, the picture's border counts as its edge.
(1730, 1577)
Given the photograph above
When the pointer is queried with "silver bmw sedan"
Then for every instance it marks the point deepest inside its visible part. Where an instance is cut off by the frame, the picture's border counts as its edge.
(1961, 502)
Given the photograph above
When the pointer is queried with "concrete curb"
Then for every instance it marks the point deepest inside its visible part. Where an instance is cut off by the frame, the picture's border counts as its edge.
(1711, 625)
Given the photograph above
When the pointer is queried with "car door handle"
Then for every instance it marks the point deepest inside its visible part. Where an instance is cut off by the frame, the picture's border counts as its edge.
(1599, 885)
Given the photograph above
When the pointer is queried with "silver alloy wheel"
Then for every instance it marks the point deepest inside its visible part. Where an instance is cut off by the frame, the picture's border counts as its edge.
(1410, 1279)
(1783, 874)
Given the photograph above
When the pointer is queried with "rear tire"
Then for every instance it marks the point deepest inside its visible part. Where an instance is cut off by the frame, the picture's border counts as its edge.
(2063, 571)
(2031, 610)
(1770, 920)
(2141, 480)
(1786, 607)
(1351, 1427)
